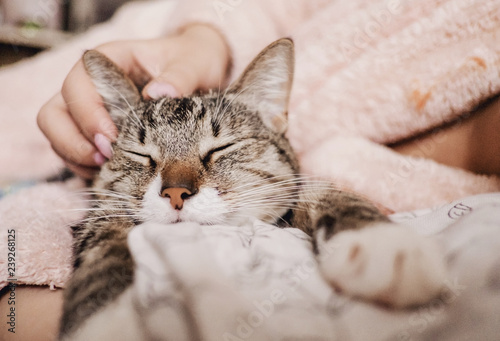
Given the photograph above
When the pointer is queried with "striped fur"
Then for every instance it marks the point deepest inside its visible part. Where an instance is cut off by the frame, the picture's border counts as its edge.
(225, 152)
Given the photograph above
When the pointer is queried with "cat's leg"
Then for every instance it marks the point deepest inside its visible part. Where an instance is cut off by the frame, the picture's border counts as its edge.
(103, 270)
(363, 254)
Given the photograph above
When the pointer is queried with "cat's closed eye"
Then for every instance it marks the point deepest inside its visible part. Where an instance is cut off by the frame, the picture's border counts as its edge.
(208, 156)
(144, 159)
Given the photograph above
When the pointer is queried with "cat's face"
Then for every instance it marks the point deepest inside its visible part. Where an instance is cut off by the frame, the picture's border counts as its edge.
(213, 158)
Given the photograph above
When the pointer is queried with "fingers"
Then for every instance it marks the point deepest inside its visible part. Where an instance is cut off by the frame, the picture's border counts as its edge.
(87, 110)
(84, 172)
(177, 79)
(197, 59)
(77, 124)
(67, 141)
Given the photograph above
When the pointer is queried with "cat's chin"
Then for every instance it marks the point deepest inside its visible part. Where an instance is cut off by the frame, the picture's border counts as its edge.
(179, 219)
(222, 221)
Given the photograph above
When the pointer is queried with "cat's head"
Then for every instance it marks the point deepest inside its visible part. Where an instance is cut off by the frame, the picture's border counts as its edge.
(219, 157)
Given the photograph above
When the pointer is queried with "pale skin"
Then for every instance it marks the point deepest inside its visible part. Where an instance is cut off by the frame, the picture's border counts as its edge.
(471, 143)
(197, 58)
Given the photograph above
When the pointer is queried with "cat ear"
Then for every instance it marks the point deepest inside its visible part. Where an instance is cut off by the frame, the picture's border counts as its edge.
(266, 83)
(118, 92)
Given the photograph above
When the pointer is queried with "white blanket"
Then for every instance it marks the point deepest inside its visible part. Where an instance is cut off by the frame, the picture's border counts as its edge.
(261, 282)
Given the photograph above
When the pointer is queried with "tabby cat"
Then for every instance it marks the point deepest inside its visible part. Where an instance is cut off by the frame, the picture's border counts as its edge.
(222, 158)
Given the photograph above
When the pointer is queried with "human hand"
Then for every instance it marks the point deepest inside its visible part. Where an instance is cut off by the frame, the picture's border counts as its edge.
(75, 120)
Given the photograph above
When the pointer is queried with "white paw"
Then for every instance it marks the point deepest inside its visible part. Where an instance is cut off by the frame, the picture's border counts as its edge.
(387, 263)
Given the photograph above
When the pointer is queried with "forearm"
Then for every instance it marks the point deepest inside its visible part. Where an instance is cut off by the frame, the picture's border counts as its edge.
(37, 313)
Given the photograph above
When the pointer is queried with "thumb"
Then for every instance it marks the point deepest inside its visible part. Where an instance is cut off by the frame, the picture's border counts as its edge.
(175, 81)
(158, 88)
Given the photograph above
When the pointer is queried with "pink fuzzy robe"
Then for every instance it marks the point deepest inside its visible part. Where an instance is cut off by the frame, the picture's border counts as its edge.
(367, 73)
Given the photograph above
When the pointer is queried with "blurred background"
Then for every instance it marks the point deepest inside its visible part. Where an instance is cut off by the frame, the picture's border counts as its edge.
(30, 26)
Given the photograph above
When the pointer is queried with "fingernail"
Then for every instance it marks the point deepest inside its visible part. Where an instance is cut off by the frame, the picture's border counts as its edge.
(157, 90)
(103, 145)
(99, 159)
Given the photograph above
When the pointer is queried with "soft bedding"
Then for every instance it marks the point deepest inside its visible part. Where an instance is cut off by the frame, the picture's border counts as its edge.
(261, 282)
(222, 282)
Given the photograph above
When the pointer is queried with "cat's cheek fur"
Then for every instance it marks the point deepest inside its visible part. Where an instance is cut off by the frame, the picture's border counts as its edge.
(206, 207)
(154, 207)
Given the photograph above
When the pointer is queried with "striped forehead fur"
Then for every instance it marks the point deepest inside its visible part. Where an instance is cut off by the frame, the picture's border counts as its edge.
(227, 139)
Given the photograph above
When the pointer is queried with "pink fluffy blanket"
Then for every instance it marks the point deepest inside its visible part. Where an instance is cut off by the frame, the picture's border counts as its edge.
(398, 97)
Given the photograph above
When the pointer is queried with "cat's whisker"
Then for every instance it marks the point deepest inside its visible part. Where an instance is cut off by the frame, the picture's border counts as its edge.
(287, 177)
(262, 191)
(108, 216)
(271, 202)
(288, 200)
(134, 120)
(103, 192)
(285, 185)
(88, 210)
(218, 101)
(268, 203)
(109, 199)
(263, 182)
(79, 198)
(265, 195)
(127, 103)
(224, 110)
(264, 201)
(104, 201)
(290, 186)
(263, 207)
(218, 112)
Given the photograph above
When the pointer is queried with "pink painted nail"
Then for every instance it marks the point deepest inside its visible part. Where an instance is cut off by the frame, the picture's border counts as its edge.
(99, 159)
(104, 145)
(157, 90)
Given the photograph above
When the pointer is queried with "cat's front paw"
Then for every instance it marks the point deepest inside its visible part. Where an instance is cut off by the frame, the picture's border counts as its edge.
(387, 263)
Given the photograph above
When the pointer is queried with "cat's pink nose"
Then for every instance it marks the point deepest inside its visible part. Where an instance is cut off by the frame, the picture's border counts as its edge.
(177, 196)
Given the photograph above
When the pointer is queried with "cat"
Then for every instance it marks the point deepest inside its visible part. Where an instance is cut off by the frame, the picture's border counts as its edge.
(222, 157)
